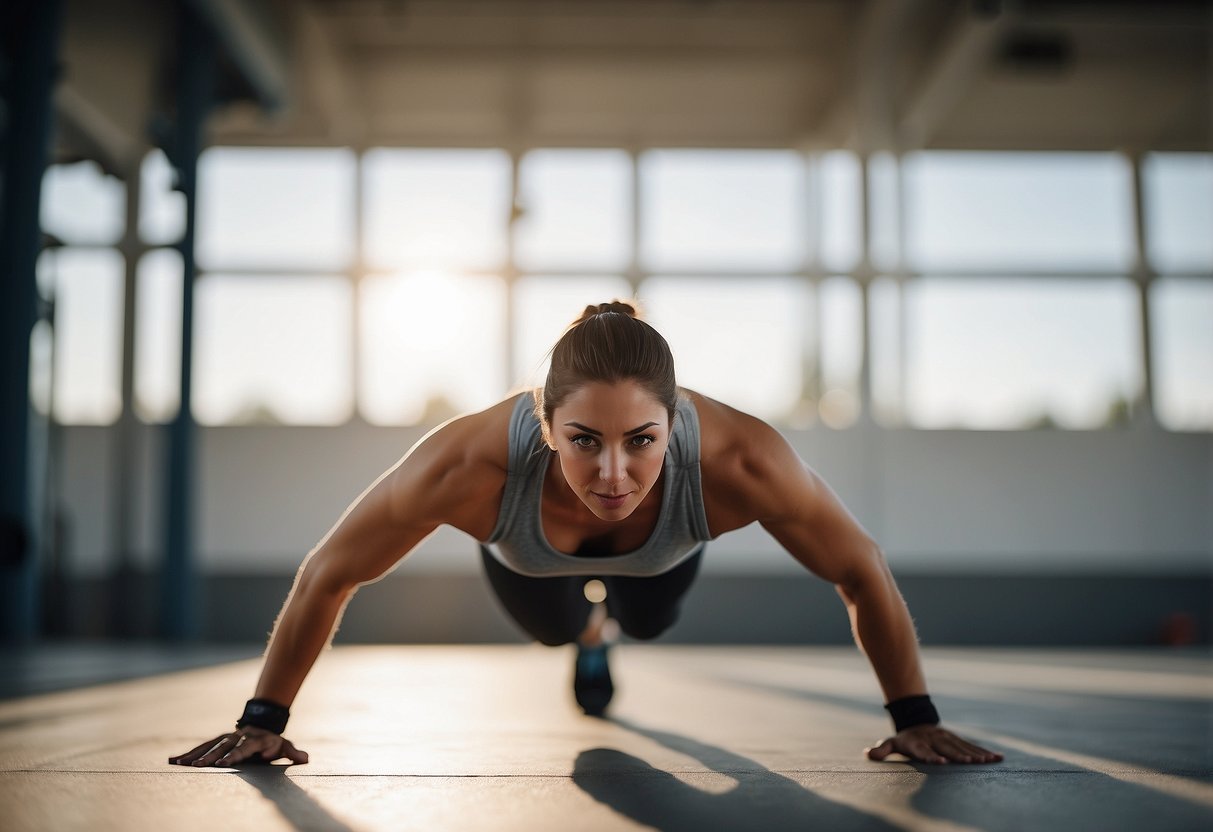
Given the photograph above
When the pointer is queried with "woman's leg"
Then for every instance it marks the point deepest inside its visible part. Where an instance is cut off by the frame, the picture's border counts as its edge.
(552, 610)
(647, 607)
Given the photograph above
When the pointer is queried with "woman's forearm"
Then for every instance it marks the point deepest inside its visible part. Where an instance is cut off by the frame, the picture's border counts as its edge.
(304, 627)
(885, 632)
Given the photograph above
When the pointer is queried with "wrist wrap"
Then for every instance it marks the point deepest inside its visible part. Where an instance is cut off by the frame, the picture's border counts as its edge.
(912, 710)
(262, 713)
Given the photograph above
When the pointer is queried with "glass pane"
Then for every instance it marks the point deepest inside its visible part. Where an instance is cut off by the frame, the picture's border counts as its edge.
(272, 350)
(884, 305)
(739, 340)
(41, 373)
(543, 307)
(577, 210)
(430, 346)
(1179, 211)
(82, 204)
(1018, 210)
(436, 209)
(275, 208)
(722, 209)
(1012, 354)
(841, 185)
(884, 201)
(158, 336)
(1182, 325)
(841, 351)
(86, 285)
(161, 209)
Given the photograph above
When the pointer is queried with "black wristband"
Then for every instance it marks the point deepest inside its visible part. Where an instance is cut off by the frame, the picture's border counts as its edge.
(262, 713)
(912, 710)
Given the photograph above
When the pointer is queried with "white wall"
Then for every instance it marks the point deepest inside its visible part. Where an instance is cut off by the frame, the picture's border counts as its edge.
(1130, 501)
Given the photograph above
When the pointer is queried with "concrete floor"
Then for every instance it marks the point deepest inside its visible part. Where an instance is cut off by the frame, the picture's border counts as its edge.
(469, 738)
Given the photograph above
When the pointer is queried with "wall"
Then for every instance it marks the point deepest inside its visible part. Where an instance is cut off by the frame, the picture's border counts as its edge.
(984, 524)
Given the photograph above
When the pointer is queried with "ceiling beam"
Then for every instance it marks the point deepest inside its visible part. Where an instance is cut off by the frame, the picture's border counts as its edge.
(255, 44)
(966, 49)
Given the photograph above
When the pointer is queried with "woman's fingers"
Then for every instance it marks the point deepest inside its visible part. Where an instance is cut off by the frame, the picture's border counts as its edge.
(194, 753)
(289, 751)
(934, 745)
(924, 751)
(216, 751)
(197, 752)
(880, 752)
(244, 748)
(240, 746)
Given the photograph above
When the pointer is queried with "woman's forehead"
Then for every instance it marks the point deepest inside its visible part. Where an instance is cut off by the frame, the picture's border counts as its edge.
(621, 401)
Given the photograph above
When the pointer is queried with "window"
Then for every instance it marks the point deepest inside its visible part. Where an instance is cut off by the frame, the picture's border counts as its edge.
(1011, 211)
(723, 210)
(740, 340)
(86, 287)
(1182, 325)
(158, 335)
(161, 209)
(543, 307)
(885, 337)
(272, 350)
(1006, 354)
(884, 194)
(841, 210)
(841, 351)
(83, 205)
(1179, 211)
(436, 209)
(576, 210)
(275, 208)
(430, 346)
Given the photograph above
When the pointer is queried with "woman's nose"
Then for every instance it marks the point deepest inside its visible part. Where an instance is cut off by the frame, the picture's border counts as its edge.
(611, 467)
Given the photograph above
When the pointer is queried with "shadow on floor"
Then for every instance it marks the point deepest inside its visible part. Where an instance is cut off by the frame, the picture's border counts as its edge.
(1035, 792)
(1170, 735)
(295, 805)
(762, 799)
(1011, 801)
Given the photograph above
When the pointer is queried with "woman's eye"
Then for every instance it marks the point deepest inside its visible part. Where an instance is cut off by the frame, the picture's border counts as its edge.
(643, 441)
(583, 441)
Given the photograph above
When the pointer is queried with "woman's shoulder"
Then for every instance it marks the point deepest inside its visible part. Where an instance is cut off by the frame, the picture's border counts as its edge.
(479, 438)
(728, 433)
(741, 457)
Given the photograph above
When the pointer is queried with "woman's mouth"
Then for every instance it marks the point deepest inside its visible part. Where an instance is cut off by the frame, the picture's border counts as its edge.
(610, 501)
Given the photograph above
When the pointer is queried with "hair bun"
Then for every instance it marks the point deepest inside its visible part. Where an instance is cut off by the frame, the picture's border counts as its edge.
(619, 307)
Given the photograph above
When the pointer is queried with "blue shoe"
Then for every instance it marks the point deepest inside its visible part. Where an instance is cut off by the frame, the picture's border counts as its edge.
(592, 684)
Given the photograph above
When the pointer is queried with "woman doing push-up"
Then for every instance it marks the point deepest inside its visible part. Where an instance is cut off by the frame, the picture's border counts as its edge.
(609, 475)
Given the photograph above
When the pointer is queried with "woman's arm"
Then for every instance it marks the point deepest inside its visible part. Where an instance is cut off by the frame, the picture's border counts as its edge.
(752, 473)
(452, 476)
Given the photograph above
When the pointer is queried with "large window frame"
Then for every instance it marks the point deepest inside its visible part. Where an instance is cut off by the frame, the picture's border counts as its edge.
(882, 259)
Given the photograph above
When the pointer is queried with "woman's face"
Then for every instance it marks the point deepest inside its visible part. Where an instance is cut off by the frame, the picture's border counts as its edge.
(611, 441)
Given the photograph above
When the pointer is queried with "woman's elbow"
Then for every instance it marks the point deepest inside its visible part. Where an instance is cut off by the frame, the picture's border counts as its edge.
(321, 574)
(867, 573)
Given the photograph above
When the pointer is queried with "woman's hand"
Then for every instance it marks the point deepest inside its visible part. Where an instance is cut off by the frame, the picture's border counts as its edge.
(932, 744)
(242, 744)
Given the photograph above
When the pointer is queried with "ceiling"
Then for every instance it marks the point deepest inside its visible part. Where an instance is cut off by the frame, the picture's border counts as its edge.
(865, 74)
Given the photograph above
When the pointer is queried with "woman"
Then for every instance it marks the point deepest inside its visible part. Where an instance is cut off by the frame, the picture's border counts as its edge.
(610, 470)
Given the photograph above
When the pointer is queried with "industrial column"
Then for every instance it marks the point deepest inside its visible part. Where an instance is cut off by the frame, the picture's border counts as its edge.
(179, 619)
(29, 39)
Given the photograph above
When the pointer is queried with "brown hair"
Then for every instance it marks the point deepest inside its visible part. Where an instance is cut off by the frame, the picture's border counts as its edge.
(608, 343)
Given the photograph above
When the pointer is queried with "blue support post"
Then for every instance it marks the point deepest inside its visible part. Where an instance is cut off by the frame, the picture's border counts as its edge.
(30, 40)
(179, 614)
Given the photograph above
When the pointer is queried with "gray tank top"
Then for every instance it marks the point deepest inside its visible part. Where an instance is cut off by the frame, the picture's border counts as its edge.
(518, 541)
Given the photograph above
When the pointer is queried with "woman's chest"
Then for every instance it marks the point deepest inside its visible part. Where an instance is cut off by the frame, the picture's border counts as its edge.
(572, 533)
